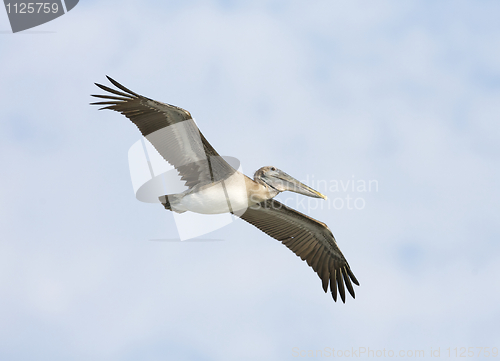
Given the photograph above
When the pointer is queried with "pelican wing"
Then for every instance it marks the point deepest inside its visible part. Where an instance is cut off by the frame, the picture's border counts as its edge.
(309, 239)
(172, 131)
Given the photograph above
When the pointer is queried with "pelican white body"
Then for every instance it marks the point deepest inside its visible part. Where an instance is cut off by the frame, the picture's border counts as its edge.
(236, 193)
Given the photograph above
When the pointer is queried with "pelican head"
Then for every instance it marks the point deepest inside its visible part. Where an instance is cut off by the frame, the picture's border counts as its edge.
(280, 181)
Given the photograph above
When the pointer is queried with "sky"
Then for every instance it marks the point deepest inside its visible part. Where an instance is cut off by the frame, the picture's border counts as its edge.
(403, 94)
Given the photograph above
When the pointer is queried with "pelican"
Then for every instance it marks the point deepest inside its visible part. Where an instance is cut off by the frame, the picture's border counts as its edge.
(214, 186)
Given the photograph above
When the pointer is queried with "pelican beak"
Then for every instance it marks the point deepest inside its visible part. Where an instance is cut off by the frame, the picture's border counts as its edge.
(288, 183)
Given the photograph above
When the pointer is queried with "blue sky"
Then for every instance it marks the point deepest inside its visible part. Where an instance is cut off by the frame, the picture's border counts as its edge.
(404, 93)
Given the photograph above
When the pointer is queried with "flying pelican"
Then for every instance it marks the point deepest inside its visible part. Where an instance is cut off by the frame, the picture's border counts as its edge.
(214, 186)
